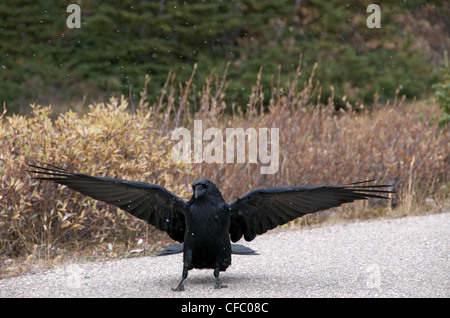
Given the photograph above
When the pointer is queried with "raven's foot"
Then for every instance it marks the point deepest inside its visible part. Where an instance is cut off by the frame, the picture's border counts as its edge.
(219, 285)
(218, 282)
(179, 288)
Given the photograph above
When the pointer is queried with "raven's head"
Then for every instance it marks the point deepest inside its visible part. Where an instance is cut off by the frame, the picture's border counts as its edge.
(205, 187)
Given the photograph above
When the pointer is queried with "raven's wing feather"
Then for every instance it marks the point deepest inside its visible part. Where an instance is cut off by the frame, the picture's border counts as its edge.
(238, 249)
(263, 209)
(150, 202)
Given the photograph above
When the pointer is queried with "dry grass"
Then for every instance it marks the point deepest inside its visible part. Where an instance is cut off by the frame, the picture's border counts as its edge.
(400, 144)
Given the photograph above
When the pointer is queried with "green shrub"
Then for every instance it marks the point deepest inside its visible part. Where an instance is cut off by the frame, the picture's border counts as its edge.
(443, 93)
(120, 42)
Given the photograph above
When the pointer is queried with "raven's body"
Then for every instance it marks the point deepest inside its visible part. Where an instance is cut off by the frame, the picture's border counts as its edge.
(206, 224)
(207, 238)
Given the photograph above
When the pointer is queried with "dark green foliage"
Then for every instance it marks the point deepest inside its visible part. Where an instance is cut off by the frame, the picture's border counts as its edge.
(119, 42)
(443, 93)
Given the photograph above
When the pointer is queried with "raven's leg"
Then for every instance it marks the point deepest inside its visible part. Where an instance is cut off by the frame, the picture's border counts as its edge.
(218, 282)
(180, 286)
(187, 263)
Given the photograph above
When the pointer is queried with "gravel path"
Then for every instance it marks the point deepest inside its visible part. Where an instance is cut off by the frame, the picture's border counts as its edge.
(407, 257)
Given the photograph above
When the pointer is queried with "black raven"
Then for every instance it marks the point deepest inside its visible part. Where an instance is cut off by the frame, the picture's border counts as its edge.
(206, 223)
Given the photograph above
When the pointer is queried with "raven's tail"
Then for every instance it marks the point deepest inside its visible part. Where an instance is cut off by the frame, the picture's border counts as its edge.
(239, 249)
(170, 249)
(178, 248)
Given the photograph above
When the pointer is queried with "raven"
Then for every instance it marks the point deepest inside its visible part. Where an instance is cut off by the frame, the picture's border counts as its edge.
(206, 224)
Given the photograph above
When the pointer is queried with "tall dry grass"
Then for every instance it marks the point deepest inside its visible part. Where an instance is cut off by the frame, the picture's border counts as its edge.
(400, 144)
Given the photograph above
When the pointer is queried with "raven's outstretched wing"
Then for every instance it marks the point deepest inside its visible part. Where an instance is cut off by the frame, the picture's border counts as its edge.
(263, 209)
(150, 202)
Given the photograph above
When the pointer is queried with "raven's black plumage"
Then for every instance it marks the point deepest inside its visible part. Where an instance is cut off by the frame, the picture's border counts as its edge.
(206, 223)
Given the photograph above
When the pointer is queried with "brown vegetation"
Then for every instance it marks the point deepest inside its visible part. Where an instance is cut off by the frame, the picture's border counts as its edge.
(400, 144)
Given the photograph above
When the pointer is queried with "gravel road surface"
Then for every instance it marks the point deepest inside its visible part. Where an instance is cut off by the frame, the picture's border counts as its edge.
(407, 257)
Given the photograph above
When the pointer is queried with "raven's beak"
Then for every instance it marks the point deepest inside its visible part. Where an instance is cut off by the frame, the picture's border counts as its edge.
(199, 190)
